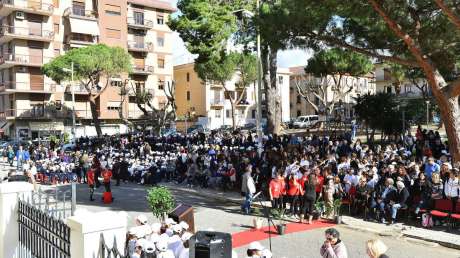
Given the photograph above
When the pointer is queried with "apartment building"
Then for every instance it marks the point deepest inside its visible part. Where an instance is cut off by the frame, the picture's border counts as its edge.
(33, 32)
(343, 107)
(210, 103)
(385, 82)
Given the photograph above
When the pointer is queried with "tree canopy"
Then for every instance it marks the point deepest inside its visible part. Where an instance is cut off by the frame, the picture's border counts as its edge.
(338, 61)
(89, 63)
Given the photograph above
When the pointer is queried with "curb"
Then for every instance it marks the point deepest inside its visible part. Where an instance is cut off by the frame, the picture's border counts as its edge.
(384, 233)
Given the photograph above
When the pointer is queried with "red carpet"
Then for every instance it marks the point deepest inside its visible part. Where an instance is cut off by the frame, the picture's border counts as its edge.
(245, 237)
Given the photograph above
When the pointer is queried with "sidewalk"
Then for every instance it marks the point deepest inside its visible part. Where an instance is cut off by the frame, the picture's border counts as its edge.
(398, 230)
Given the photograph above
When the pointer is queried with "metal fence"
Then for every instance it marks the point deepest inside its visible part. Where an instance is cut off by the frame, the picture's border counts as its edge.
(40, 234)
(55, 202)
(110, 252)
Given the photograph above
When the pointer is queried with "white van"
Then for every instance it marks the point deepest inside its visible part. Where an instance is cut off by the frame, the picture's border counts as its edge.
(306, 121)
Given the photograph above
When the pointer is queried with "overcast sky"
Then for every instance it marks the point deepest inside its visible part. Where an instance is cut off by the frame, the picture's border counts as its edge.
(287, 58)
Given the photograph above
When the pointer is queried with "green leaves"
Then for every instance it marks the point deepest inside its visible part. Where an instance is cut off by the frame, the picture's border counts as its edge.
(205, 26)
(338, 61)
(160, 201)
(89, 62)
(380, 112)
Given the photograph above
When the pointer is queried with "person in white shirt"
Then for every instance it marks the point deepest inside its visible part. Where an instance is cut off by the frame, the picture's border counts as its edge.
(452, 188)
(185, 253)
(350, 180)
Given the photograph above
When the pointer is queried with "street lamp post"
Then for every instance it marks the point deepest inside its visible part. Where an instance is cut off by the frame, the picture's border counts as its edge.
(71, 70)
(427, 113)
(259, 77)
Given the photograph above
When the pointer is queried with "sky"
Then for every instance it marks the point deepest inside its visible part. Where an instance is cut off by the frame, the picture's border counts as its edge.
(287, 58)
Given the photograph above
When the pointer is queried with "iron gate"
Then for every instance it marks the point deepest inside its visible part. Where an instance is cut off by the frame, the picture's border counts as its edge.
(41, 235)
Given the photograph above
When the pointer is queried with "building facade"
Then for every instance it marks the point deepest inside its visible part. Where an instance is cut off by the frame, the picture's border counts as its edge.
(209, 102)
(33, 32)
(343, 106)
(384, 82)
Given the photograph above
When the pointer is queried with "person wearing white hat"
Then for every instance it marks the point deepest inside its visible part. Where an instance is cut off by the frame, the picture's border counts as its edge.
(255, 250)
(185, 252)
(162, 249)
(175, 241)
(184, 226)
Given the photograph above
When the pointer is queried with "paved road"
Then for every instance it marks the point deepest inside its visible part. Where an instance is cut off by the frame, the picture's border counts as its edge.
(226, 217)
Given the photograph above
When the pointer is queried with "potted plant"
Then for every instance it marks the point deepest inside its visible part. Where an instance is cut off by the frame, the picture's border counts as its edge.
(257, 220)
(161, 202)
(278, 215)
(319, 209)
(337, 205)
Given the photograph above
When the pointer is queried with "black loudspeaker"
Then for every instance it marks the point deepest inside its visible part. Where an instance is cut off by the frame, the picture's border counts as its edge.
(210, 244)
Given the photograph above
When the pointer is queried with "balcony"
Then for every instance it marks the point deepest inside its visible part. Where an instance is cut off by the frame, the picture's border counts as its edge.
(143, 70)
(26, 87)
(78, 89)
(137, 23)
(134, 46)
(76, 40)
(80, 13)
(217, 104)
(215, 85)
(135, 114)
(10, 60)
(35, 113)
(8, 33)
(29, 6)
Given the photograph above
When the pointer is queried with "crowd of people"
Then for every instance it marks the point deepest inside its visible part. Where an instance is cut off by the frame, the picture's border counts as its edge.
(302, 175)
(295, 173)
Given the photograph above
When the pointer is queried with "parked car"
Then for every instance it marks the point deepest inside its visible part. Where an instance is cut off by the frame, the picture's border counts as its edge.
(306, 121)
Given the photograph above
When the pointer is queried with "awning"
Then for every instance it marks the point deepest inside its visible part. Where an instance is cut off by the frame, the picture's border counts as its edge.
(84, 26)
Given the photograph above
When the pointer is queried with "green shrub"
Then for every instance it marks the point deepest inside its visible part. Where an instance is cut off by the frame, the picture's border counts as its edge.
(160, 201)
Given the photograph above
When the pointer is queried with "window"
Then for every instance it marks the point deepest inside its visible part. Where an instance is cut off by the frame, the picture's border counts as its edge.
(218, 115)
(58, 104)
(298, 99)
(160, 41)
(161, 85)
(188, 77)
(56, 28)
(280, 79)
(253, 114)
(57, 52)
(116, 82)
(188, 95)
(113, 33)
(161, 63)
(138, 18)
(78, 8)
(299, 113)
(112, 10)
(160, 19)
(389, 90)
(227, 113)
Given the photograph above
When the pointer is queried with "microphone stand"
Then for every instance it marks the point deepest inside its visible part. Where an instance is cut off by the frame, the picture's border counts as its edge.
(266, 210)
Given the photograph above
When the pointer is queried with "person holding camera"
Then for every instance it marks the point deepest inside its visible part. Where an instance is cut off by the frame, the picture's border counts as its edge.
(333, 247)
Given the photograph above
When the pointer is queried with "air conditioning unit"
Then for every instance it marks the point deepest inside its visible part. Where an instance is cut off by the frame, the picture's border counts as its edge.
(20, 15)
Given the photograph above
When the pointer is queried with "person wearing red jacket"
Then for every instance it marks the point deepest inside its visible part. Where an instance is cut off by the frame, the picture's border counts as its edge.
(276, 189)
(294, 193)
(90, 179)
(106, 175)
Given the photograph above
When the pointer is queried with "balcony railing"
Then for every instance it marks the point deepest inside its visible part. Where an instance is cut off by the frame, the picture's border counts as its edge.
(30, 5)
(80, 13)
(143, 69)
(26, 32)
(140, 46)
(243, 103)
(27, 87)
(81, 40)
(217, 102)
(136, 22)
(37, 112)
(26, 60)
(135, 113)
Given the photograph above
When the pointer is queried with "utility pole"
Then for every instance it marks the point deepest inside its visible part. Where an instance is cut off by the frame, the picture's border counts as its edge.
(259, 86)
(71, 70)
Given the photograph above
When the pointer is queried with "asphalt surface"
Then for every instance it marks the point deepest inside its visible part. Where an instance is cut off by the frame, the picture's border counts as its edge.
(226, 217)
